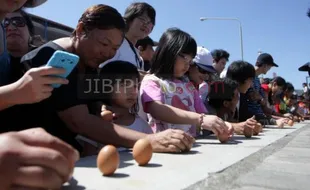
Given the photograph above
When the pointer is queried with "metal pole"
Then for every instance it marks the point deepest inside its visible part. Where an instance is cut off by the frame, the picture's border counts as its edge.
(240, 28)
(241, 39)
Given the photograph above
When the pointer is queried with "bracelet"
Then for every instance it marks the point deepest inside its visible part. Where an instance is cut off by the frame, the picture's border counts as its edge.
(201, 119)
(199, 126)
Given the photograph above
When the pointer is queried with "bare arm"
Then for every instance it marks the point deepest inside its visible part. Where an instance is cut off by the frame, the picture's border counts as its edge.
(33, 87)
(170, 114)
(80, 121)
(7, 95)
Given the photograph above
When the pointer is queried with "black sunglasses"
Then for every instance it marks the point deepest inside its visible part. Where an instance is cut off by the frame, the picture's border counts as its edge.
(202, 71)
(15, 21)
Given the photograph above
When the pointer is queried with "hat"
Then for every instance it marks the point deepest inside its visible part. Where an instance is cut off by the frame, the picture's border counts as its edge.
(305, 67)
(34, 3)
(266, 58)
(145, 42)
(204, 59)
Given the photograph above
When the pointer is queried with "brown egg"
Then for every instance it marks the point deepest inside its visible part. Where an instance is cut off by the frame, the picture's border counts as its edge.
(108, 160)
(107, 115)
(142, 152)
(223, 138)
(290, 123)
(257, 129)
(248, 132)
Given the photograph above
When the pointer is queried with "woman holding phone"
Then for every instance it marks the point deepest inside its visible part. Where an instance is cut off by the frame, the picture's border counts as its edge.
(27, 155)
(32, 83)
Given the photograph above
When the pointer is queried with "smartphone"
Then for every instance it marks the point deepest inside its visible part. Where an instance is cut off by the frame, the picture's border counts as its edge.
(65, 60)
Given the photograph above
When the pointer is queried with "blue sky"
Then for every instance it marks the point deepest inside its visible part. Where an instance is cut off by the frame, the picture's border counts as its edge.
(279, 27)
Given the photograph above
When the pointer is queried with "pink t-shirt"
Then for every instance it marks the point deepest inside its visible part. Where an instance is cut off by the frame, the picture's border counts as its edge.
(178, 93)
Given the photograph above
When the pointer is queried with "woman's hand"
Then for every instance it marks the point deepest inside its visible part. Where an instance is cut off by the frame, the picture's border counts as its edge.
(171, 140)
(35, 85)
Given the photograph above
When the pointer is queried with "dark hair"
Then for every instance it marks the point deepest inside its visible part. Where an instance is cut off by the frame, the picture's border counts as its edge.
(221, 90)
(266, 81)
(218, 54)
(308, 13)
(279, 81)
(27, 18)
(172, 43)
(137, 9)
(117, 71)
(289, 87)
(240, 71)
(144, 43)
(102, 17)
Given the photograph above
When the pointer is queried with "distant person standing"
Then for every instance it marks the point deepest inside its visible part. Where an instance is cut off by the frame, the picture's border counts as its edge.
(305, 91)
(220, 58)
(145, 47)
(256, 96)
(140, 21)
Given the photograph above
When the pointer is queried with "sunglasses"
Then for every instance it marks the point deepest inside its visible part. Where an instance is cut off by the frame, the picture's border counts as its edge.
(202, 71)
(15, 21)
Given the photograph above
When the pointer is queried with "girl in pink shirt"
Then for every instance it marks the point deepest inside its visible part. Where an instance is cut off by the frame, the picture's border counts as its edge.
(168, 96)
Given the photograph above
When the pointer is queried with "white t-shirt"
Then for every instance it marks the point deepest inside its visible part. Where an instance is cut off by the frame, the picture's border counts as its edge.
(127, 53)
(238, 104)
(203, 91)
(305, 89)
(223, 74)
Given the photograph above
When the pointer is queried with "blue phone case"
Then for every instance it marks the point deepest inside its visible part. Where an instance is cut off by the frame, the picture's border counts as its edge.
(65, 60)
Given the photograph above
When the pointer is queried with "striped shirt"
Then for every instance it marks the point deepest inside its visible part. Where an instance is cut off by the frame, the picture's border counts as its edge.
(253, 106)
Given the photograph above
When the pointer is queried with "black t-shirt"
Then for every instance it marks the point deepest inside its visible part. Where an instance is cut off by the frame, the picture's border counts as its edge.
(64, 97)
(44, 114)
(147, 65)
(17, 117)
(243, 108)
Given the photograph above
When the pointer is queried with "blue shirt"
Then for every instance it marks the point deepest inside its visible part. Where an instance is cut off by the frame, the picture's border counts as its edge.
(4, 60)
(253, 106)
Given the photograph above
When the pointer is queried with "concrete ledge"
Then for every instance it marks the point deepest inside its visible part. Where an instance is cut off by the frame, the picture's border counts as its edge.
(199, 169)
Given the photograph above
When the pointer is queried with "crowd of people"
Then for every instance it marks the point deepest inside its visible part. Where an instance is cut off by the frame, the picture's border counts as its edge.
(170, 96)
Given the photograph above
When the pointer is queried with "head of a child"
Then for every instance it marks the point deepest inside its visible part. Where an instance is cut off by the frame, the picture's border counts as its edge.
(201, 68)
(277, 85)
(174, 54)
(120, 83)
(289, 90)
(243, 73)
(223, 96)
(145, 47)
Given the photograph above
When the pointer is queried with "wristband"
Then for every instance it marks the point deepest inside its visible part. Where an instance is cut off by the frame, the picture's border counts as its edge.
(201, 119)
(199, 126)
